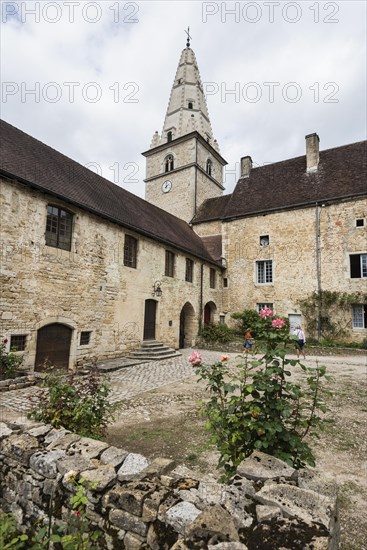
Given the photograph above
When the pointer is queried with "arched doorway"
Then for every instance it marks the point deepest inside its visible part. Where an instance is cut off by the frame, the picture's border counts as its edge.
(150, 319)
(53, 346)
(209, 312)
(188, 326)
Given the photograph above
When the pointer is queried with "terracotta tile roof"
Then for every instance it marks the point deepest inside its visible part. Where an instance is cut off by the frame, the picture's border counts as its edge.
(25, 158)
(213, 244)
(342, 173)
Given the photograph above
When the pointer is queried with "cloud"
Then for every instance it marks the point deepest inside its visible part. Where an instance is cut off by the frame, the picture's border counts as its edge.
(133, 64)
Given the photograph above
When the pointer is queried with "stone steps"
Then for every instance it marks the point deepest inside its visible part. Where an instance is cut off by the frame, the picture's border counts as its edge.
(151, 350)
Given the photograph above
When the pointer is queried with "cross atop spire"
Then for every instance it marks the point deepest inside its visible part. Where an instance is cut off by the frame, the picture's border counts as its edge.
(188, 37)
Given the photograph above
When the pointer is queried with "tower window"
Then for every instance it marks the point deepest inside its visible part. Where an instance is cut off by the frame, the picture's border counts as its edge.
(209, 167)
(169, 163)
(169, 136)
(191, 105)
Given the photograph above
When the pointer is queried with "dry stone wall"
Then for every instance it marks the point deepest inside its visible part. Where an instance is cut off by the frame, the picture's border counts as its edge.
(143, 504)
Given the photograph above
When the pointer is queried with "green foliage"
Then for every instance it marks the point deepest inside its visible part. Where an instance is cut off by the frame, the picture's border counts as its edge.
(78, 404)
(73, 535)
(9, 362)
(256, 406)
(215, 332)
(331, 308)
(249, 319)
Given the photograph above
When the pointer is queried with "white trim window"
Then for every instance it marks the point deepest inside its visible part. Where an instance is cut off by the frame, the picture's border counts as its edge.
(259, 307)
(358, 266)
(264, 272)
(359, 316)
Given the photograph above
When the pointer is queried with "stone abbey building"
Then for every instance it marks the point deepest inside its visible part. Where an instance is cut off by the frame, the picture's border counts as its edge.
(90, 270)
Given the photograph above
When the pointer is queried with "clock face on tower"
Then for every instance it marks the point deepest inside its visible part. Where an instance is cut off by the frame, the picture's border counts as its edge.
(167, 186)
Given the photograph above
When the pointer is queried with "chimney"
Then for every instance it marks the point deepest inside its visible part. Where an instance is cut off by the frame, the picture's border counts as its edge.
(312, 152)
(246, 165)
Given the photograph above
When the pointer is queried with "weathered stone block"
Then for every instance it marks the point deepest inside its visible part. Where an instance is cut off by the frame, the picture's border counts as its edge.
(21, 447)
(158, 467)
(102, 477)
(128, 522)
(133, 464)
(300, 503)
(113, 456)
(89, 448)
(45, 463)
(76, 463)
(63, 442)
(214, 523)
(5, 431)
(181, 515)
(260, 466)
(133, 542)
(264, 513)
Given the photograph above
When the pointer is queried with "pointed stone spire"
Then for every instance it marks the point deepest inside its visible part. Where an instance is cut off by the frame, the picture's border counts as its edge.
(155, 140)
(187, 110)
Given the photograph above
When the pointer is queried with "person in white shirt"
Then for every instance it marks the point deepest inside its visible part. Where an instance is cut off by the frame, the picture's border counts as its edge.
(300, 346)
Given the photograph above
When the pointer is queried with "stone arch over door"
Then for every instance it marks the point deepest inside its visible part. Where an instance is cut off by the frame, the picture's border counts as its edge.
(209, 312)
(53, 346)
(188, 326)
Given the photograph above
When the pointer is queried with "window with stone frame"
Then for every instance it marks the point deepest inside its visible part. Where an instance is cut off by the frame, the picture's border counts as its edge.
(358, 266)
(169, 136)
(189, 273)
(209, 167)
(212, 278)
(264, 305)
(264, 271)
(84, 338)
(169, 163)
(58, 227)
(169, 269)
(359, 316)
(130, 251)
(18, 342)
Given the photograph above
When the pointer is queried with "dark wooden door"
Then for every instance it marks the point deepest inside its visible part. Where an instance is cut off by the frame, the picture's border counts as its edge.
(182, 329)
(53, 346)
(149, 319)
(207, 314)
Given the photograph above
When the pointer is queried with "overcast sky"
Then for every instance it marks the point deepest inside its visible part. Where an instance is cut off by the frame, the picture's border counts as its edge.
(101, 74)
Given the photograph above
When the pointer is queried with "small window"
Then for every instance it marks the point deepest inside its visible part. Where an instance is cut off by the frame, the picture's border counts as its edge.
(264, 272)
(212, 278)
(209, 167)
(170, 264)
(85, 338)
(261, 306)
(358, 266)
(169, 163)
(225, 282)
(189, 270)
(359, 316)
(130, 251)
(191, 105)
(18, 342)
(169, 137)
(264, 240)
(359, 222)
(58, 227)
(179, 80)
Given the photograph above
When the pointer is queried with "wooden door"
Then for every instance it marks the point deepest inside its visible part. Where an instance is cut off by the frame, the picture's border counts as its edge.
(149, 319)
(207, 314)
(182, 329)
(53, 347)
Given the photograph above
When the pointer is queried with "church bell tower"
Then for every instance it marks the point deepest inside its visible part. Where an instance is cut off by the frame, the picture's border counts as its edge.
(183, 165)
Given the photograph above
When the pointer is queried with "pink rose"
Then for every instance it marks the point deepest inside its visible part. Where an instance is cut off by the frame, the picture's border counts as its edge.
(195, 358)
(278, 323)
(266, 312)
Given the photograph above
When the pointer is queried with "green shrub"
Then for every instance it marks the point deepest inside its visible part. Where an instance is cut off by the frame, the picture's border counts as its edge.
(255, 406)
(218, 333)
(9, 362)
(78, 404)
(249, 319)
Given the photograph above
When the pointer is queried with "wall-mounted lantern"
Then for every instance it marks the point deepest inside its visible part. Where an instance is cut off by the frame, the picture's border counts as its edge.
(157, 291)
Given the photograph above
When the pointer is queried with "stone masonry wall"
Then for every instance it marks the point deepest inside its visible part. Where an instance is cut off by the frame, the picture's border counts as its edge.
(88, 288)
(142, 504)
(292, 251)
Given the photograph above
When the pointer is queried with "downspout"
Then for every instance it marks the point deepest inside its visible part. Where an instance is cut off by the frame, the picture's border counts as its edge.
(318, 273)
(201, 298)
